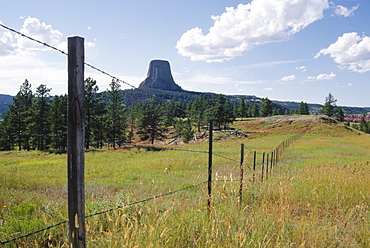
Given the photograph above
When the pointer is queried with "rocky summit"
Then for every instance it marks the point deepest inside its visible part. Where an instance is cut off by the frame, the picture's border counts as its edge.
(159, 77)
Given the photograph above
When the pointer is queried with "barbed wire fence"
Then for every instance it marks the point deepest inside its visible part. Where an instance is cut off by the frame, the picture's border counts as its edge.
(272, 161)
(264, 165)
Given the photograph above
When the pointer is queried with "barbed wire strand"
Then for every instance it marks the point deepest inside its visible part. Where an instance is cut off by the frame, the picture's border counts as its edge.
(32, 233)
(122, 144)
(33, 39)
(106, 211)
(131, 204)
(145, 200)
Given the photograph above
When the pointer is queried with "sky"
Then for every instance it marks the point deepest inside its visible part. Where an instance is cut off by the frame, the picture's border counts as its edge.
(286, 50)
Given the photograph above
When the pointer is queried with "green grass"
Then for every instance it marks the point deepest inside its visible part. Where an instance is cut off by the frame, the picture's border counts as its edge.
(317, 196)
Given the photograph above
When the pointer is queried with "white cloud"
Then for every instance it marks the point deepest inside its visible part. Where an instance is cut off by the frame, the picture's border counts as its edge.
(20, 58)
(90, 44)
(326, 76)
(346, 12)
(350, 51)
(269, 89)
(302, 68)
(40, 31)
(7, 45)
(239, 29)
(323, 76)
(15, 68)
(37, 30)
(288, 78)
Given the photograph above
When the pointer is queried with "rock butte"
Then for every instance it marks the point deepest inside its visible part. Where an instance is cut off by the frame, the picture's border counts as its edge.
(159, 77)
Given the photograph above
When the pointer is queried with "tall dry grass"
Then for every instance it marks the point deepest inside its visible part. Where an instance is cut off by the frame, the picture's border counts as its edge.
(317, 196)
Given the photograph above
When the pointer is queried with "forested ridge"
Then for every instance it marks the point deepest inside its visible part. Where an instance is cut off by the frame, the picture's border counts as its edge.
(129, 116)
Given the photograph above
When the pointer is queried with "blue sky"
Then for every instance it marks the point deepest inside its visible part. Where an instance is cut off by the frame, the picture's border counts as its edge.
(288, 50)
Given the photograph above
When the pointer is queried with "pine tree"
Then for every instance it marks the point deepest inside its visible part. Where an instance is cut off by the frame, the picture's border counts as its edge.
(94, 112)
(221, 112)
(117, 115)
(364, 127)
(19, 116)
(303, 108)
(40, 117)
(185, 131)
(253, 110)
(339, 114)
(6, 141)
(169, 110)
(241, 110)
(266, 107)
(99, 125)
(58, 121)
(132, 115)
(329, 106)
(198, 109)
(150, 121)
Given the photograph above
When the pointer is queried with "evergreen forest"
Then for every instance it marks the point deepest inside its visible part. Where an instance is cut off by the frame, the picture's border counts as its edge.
(38, 121)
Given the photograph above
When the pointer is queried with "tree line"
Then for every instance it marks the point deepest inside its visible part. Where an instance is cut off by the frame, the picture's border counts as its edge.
(108, 119)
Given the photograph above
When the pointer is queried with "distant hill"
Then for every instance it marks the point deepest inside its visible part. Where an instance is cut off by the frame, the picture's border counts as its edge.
(146, 93)
(136, 95)
(5, 101)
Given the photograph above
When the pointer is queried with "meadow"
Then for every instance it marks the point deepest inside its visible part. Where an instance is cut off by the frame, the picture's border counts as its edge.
(317, 195)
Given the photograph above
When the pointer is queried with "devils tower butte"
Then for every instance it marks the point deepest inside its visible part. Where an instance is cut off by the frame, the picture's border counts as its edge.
(159, 77)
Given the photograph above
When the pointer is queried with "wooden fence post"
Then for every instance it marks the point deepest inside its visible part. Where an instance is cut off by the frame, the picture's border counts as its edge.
(76, 142)
(241, 173)
(254, 166)
(210, 152)
(272, 161)
(263, 166)
(267, 166)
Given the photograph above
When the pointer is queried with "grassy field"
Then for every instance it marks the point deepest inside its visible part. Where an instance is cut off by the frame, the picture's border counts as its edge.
(317, 196)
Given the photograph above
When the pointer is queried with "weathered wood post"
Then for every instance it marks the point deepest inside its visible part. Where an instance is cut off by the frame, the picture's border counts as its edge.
(254, 166)
(241, 173)
(263, 166)
(272, 161)
(210, 153)
(76, 141)
(267, 167)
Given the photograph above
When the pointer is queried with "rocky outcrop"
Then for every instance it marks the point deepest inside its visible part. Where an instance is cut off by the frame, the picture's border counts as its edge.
(159, 77)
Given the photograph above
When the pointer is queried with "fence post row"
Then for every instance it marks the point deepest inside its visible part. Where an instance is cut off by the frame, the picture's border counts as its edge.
(76, 142)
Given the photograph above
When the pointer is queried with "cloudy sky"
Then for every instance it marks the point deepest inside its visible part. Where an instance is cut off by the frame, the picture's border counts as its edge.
(288, 50)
